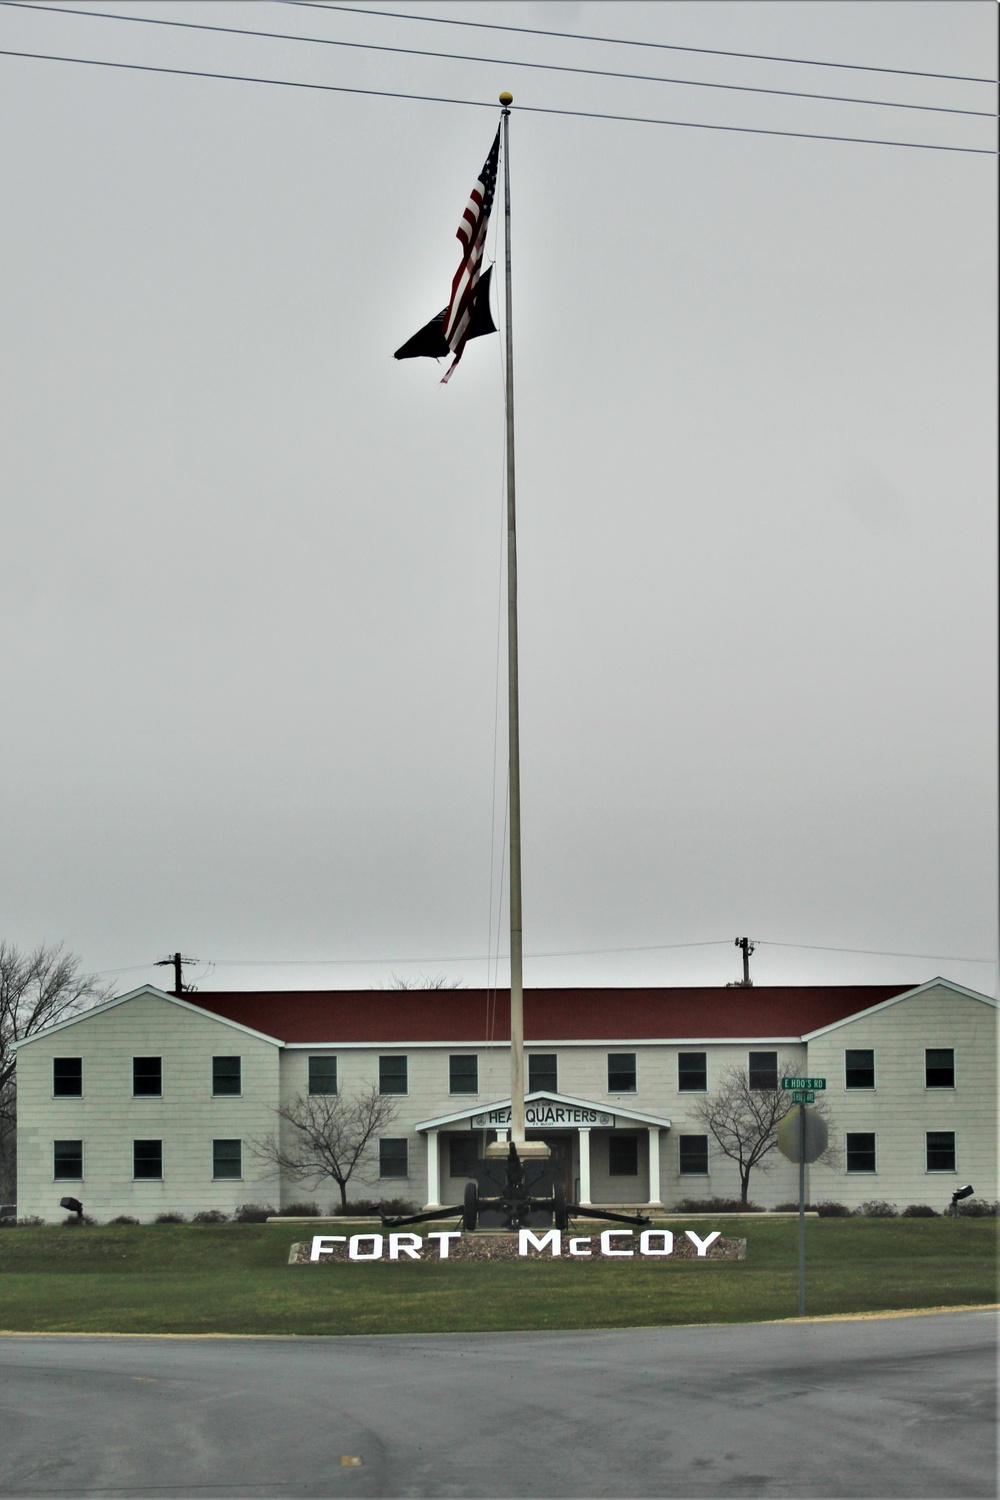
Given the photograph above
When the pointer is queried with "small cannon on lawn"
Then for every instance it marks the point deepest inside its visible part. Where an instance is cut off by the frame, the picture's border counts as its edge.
(508, 1193)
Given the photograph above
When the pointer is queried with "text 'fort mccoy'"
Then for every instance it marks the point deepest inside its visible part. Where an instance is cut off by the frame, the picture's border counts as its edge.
(451, 1244)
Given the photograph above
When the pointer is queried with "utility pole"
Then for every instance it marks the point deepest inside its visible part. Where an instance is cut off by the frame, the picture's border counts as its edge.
(746, 983)
(177, 961)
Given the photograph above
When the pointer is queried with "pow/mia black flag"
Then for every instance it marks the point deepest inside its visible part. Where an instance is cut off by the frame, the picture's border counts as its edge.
(430, 341)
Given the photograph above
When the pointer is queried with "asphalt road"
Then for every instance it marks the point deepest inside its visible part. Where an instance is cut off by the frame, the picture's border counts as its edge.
(894, 1407)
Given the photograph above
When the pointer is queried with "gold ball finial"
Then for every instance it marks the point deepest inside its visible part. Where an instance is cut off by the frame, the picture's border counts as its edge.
(506, 98)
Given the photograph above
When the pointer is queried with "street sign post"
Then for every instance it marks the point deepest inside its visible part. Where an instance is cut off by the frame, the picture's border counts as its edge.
(802, 1137)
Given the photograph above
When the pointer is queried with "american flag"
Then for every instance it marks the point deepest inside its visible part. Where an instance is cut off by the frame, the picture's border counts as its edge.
(472, 233)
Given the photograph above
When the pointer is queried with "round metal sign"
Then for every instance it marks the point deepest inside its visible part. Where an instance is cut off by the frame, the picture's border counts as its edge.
(816, 1134)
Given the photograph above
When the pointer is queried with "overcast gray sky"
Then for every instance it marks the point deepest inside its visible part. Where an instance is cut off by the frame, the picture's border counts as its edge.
(251, 566)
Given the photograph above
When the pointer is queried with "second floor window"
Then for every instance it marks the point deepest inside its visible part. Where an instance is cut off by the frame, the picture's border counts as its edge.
(322, 1075)
(227, 1075)
(542, 1073)
(147, 1076)
(692, 1073)
(67, 1077)
(763, 1070)
(392, 1079)
(463, 1073)
(939, 1067)
(621, 1072)
(859, 1068)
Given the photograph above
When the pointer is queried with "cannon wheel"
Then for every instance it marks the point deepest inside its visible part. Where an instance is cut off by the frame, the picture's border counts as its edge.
(470, 1207)
(559, 1215)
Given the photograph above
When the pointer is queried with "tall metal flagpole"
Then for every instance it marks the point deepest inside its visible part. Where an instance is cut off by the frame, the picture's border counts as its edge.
(516, 968)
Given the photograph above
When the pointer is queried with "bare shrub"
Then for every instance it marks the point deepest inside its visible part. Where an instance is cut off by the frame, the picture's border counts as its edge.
(253, 1213)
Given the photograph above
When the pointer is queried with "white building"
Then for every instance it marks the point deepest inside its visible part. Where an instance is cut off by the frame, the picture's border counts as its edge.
(150, 1103)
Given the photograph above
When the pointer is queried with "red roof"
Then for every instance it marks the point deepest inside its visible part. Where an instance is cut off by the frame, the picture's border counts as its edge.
(601, 1015)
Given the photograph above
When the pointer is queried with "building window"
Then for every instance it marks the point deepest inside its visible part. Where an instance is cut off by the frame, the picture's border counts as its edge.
(692, 1158)
(940, 1151)
(322, 1075)
(227, 1075)
(463, 1073)
(67, 1161)
(859, 1068)
(67, 1077)
(621, 1072)
(227, 1158)
(692, 1074)
(147, 1159)
(623, 1156)
(763, 1070)
(463, 1153)
(392, 1077)
(939, 1065)
(542, 1074)
(860, 1152)
(147, 1076)
(393, 1157)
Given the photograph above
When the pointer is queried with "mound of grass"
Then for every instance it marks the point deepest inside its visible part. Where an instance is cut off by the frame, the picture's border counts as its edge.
(233, 1278)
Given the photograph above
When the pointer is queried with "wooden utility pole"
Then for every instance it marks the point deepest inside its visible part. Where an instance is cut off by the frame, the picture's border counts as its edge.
(177, 962)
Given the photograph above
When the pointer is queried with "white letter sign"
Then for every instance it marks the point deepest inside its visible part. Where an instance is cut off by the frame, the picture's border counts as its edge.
(444, 1238)
(702, 1245)
(551, 1241)
(323, 1244)
(406, 1244)
(646, 1242)
(354, 1248)
(618, 1234)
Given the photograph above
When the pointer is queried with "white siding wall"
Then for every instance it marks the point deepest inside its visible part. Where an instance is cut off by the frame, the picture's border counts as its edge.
(901, 1109)
(107, 1118)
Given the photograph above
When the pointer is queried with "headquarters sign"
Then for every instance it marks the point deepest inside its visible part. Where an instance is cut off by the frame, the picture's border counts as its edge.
(545, 1112)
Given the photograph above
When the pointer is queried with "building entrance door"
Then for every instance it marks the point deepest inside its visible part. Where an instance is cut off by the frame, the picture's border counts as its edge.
(561, 1147)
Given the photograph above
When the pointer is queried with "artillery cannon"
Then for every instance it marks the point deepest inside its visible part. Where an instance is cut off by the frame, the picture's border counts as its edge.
(508, 1193)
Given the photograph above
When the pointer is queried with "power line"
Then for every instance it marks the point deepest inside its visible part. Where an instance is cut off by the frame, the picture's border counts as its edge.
(457, 958)
(533, 109)
(620, 41)
(505, 62)
(952, 958)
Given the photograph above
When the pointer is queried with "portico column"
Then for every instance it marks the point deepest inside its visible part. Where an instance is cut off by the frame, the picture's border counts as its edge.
(584, 1165)
(654, 1167)
(433, 1171)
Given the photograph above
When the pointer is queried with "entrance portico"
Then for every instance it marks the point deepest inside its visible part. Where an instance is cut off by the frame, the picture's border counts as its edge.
(583, 1131)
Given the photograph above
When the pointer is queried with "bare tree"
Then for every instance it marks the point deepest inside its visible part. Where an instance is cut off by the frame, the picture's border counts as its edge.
(439, 982)
(331, 1135)
(37, 990)
(743, 1122)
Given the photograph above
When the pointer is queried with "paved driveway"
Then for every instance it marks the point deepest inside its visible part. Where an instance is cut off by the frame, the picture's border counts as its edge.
(894, 1407)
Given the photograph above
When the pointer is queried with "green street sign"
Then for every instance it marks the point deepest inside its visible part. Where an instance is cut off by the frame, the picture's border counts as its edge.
(803, 1096)
(816, 1084)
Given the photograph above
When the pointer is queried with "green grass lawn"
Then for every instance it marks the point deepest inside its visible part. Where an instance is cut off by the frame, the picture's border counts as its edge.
(233, 1278)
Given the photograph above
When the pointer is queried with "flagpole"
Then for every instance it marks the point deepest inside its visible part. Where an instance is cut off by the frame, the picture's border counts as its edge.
(516, 963)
